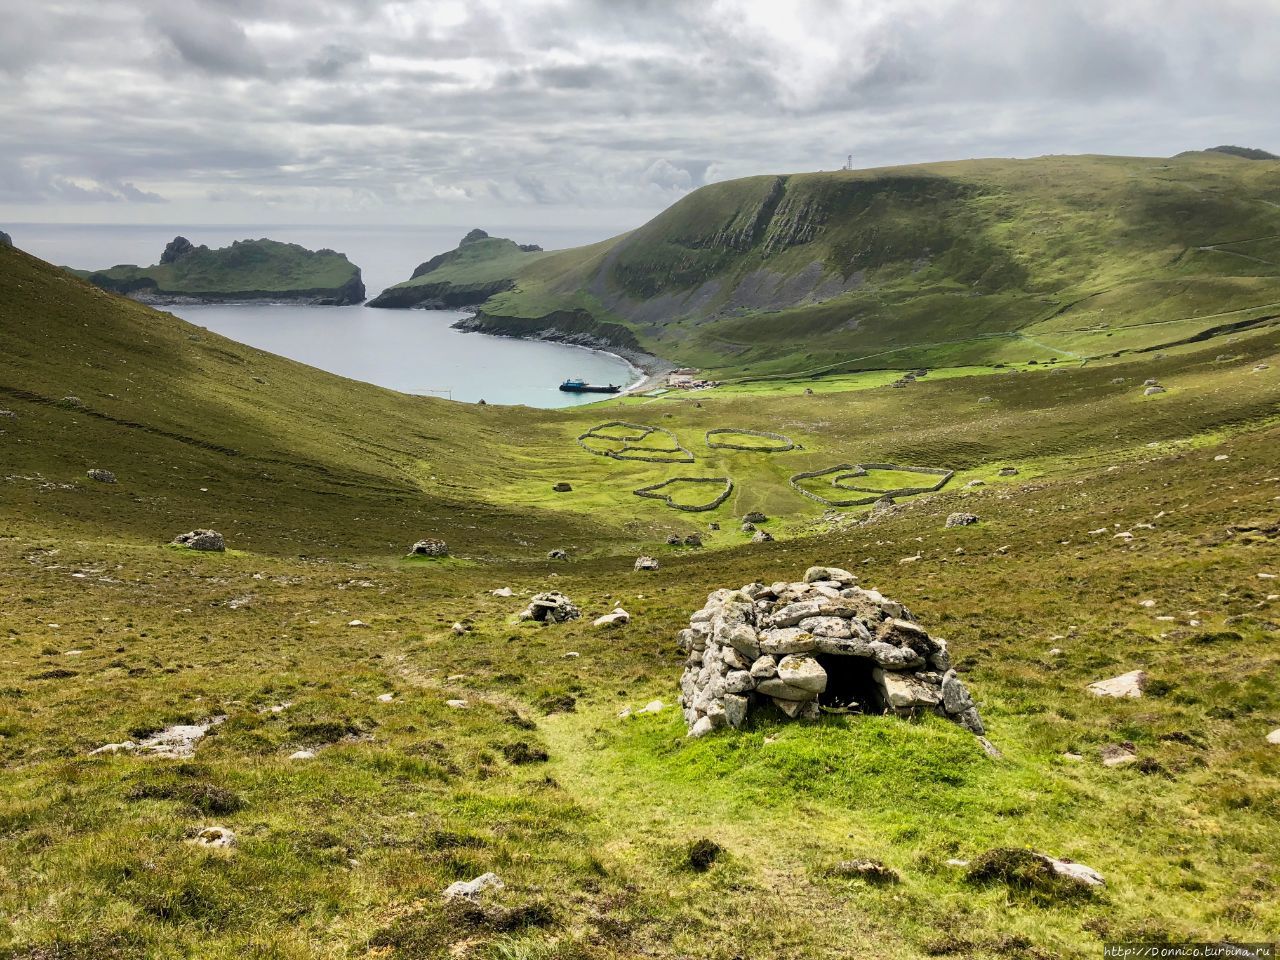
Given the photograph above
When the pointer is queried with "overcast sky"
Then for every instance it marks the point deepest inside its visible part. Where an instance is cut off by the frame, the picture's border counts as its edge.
(562, 112)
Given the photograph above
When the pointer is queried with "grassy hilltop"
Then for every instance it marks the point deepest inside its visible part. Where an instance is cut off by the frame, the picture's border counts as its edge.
(246, 270)
(1141, 531)
(937, 264)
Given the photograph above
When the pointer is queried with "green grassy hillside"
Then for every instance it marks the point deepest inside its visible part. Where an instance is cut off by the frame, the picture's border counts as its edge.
(320, 484)
(246, 270)
(478, 268)
(934, 264)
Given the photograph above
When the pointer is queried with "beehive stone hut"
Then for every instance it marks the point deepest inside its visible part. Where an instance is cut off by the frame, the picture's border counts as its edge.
(820, 644)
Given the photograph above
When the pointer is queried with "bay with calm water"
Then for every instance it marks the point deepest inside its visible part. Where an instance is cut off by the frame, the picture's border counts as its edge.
(414, 351)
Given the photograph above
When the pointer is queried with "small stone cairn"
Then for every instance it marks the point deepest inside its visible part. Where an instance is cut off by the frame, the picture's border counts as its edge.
(821, 644)
(550, 607)
(209, 541)
(429, 548)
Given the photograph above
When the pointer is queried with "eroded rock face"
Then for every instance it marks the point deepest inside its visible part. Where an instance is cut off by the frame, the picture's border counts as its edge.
(818, 644)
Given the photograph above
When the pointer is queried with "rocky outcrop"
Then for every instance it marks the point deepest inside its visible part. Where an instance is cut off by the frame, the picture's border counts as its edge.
(578, 327)
(177, 248)
(819, 644)
(5, 239)
(441, 296)
(429, 547)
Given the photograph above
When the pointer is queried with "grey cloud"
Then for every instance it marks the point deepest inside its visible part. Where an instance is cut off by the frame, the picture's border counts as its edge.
(206, 39)
(399, 110)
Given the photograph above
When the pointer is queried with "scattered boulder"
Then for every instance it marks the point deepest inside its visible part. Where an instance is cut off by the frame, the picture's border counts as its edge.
(748, 528)
(961, 520)
(550, 607)
(762, 536)
(302, 755)
(102, 476)
(1151, 382)
(832, 575)
(1128, 684)
(357, 624)
(1118, 754)
(755, 516)
(456, 704)
(1007, 472)
(976, 483)
(984, 399)
(822, 644)
(219, 838)
(615, 618)
(563, 487)
(503, 592)
(646, 563)
(429, 548)
(1153, 390)
(674, 540)
(459, 629)
(72, 402)
(1274, 737)
(693, 540)
(557, 555)
(209, 541)
(1035, 873)
(472, 889)
(872, 871)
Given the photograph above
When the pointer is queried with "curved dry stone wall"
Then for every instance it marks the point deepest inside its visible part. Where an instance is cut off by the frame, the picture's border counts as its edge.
(852, 471)
(822, 644)
(674, 454)
(651, 492)
(787, 442)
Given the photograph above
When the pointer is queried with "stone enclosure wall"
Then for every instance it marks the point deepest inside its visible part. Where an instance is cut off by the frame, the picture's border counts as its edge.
(820, 644)
(786, 442)
(673, 454)
(854, 470)
(651, 492)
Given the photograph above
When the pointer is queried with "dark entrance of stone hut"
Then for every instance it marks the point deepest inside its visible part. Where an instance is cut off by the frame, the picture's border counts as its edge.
(850, 685)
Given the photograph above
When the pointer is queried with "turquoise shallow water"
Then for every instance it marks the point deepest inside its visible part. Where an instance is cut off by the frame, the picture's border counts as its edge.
(410, 350)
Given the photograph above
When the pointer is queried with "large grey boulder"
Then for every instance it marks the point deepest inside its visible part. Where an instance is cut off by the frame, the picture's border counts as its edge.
(102, 476)
(1127, 685)
(429, 547)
